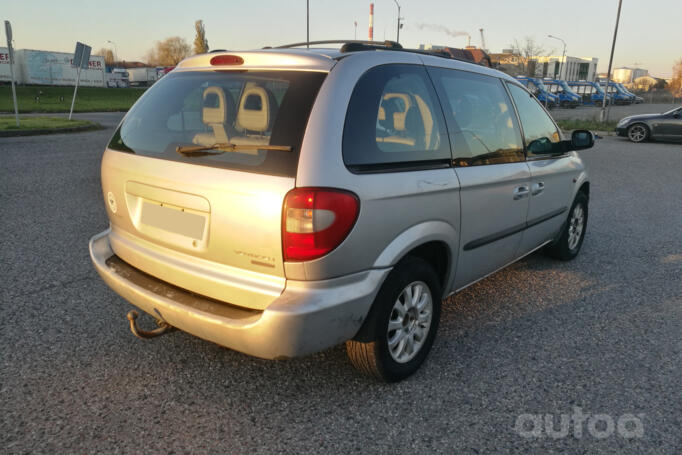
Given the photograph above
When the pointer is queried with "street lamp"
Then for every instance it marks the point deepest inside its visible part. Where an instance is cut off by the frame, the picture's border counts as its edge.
(115, 50)
(397, 38)
(563, 55)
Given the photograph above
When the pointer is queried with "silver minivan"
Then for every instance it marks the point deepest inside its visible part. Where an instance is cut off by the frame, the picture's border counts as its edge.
(282, 201)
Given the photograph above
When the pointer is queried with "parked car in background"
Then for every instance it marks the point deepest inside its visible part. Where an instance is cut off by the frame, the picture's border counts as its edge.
(539, 90)
(567, 97)
(664, 126)
(618, 94)
(591, 92)
(279, 202)
(637, 99)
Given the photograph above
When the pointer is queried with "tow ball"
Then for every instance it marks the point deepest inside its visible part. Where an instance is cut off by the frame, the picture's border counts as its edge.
(162, 328)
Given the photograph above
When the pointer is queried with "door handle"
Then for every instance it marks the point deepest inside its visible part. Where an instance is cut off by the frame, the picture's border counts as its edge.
(538, 188)
(520, 192)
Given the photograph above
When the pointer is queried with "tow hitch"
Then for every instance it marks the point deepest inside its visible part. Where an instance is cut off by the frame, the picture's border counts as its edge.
(146, 334)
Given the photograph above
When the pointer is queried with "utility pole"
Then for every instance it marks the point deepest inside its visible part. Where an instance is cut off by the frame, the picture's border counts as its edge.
(563, 55)
(604, 115)
(397, 38)
(10, 51)
(307, 23)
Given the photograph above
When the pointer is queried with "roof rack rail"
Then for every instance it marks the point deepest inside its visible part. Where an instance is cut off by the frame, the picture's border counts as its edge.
(370, 44)
(361, 45)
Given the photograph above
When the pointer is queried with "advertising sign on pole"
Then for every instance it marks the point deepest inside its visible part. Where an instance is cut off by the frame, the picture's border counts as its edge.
(10, 51)
(81, 59)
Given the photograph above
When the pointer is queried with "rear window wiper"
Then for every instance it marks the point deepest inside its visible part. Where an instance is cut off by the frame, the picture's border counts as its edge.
(217, 149)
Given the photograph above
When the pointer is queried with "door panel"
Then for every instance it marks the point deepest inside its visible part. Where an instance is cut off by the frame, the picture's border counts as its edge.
(551, 175)
(493, 216)
(668, 127)
(551, 187)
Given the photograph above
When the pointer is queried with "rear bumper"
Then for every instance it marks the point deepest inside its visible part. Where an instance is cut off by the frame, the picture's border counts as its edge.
(307, 317)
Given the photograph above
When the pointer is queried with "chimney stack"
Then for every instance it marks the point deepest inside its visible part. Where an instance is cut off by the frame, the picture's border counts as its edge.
(371, 21)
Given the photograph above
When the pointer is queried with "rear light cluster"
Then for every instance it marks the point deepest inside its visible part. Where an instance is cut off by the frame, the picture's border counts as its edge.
(315, 221)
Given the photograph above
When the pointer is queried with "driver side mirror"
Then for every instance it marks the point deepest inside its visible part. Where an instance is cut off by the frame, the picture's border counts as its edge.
(581, 140)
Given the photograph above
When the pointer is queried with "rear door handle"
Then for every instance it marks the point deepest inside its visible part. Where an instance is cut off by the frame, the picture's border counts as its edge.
(520, 192)
(538, 188)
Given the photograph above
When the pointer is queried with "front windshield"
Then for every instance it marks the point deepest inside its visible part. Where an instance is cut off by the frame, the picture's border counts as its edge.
(541, 86)
(598, 89)
(672, 111)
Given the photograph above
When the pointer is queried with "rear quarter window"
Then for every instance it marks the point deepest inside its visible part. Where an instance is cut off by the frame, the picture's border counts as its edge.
(394, 121)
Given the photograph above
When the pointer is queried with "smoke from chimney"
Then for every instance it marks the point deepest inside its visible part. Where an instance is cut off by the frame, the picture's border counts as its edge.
(441, 28)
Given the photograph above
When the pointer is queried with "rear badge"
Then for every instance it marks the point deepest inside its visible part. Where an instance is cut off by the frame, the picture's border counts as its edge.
(257, 259)
(112, 202)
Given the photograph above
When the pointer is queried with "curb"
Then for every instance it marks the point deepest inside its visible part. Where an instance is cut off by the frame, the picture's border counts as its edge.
(71, 129)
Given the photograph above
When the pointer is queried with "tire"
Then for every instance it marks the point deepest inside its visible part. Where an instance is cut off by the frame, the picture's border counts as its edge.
(376, 350)
(638, 132)
(573, 232)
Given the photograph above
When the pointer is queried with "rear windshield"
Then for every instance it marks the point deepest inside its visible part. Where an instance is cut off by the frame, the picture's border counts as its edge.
(247, 108)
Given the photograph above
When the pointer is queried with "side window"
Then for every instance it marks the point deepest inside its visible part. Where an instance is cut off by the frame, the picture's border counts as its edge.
(480, 117)
(539, 130)
(394, 120)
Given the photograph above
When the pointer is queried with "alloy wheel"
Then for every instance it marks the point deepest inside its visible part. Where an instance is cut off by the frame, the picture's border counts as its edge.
(410, 321)
(575, 226)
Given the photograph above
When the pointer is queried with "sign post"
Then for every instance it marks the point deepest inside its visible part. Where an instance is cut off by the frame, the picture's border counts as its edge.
(81, 59)
(8, 33)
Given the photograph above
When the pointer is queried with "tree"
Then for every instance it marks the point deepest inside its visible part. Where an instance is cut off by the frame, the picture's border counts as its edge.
(527, 52)
(200, 42)
(168, 52)
(675, 85)
(108, 56)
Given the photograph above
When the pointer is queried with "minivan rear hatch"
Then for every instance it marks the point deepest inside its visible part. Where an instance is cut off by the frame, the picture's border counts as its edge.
(196, 174)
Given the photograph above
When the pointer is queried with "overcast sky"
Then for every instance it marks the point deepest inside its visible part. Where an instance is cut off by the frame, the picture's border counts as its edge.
(650, 33)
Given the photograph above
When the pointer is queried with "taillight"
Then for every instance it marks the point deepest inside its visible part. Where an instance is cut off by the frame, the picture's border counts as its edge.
(315, 221)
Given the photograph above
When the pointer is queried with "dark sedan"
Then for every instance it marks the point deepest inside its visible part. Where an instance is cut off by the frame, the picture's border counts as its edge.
(665, 126)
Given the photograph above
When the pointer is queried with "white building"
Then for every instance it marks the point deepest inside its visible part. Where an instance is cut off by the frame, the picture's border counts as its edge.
(627, 75)
(566, 68)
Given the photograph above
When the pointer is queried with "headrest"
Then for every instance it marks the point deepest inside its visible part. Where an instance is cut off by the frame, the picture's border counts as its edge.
(254, 110)
(401, 102)
(214, 110)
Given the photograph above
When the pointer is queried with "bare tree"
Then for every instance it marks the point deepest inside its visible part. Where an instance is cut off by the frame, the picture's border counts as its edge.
(200, 41)
(107, 54)
(168, 52)
(528, 51)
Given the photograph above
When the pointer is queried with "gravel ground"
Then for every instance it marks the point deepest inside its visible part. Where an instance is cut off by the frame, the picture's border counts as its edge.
(599, 335)
(615, 112)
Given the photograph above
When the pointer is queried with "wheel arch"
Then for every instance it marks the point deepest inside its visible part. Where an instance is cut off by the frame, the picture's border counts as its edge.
(434, 242)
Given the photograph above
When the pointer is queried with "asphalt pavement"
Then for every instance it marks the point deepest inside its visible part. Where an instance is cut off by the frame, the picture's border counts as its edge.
(541, 341)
